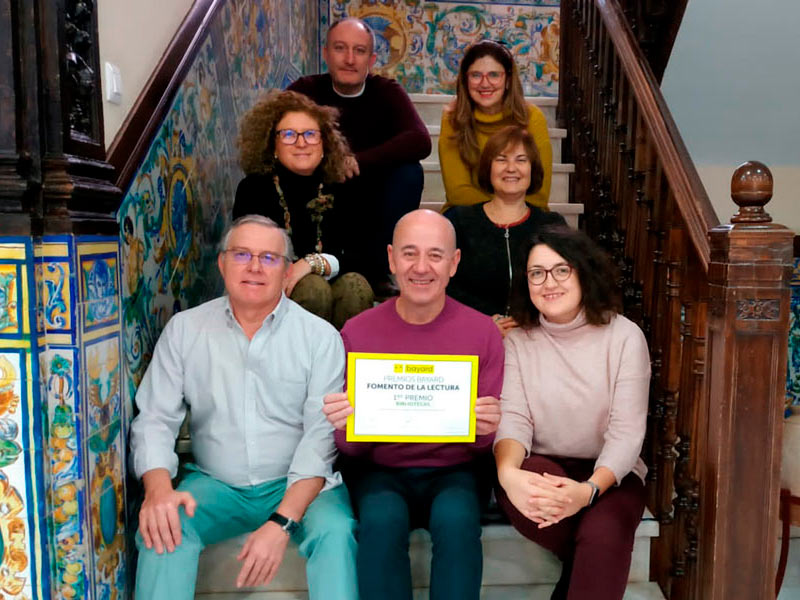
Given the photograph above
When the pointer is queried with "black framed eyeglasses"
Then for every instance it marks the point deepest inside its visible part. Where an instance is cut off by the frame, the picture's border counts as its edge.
(290, 136)
(560, 272)
(243, 256)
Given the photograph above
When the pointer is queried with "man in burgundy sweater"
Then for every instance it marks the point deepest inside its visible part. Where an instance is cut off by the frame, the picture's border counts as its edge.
(387, 137)
(397, 487)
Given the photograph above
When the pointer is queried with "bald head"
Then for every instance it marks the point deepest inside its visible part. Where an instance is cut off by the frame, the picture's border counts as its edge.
(353, 26)
(426, 220)
(423, 257)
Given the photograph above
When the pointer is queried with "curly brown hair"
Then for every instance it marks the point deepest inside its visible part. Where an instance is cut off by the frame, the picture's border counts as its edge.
(462, 118)
(257, 134)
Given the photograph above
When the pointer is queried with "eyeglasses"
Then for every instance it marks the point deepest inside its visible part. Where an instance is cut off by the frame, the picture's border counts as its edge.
(290, 136)
(243, 256)
(560, 272)
(494, 77)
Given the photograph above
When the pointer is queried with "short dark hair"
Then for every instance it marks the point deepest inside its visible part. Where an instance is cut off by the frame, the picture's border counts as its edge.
(596, 275)
(510, 136)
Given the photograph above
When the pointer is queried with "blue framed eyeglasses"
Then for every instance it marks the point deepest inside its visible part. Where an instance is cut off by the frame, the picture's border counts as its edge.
(290, 136)
(243, 256)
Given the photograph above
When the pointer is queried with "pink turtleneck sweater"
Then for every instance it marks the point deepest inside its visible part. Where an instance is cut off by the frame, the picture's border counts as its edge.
(578, 390)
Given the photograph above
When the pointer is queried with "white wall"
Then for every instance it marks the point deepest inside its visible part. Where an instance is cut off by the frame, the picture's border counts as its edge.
(134, 35)
(733, 86)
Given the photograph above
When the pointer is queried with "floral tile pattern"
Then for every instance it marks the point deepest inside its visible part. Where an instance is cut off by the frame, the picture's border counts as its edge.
(22, 480)
(421, 44)
(793, 367)
(179, 202)
(68, 496)
(55, 293)
(9, 299)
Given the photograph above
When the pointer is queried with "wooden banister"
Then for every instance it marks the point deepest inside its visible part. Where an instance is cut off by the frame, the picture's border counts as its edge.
(713, 300)
(127, 149)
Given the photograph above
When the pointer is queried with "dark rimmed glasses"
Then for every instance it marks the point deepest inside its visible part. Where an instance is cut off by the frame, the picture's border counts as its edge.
(560, 272)
(290, 136)
(243, 256)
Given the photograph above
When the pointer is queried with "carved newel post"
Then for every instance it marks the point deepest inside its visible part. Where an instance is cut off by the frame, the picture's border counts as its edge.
(749, 294)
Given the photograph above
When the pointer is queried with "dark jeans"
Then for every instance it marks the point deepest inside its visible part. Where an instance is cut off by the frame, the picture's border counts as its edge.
(595, 544)
(390, 502)
(377, 199)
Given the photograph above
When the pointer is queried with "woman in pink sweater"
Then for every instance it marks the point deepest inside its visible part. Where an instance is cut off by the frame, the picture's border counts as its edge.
(574, 411)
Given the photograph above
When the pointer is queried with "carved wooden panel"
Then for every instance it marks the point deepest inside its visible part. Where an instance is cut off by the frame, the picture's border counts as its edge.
(752, 309)
(81, 78)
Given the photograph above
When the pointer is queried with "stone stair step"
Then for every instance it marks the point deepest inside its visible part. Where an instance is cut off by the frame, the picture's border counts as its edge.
(434, 186)
(634, 591)
(556, 135)
(509, 560)
(429, 107)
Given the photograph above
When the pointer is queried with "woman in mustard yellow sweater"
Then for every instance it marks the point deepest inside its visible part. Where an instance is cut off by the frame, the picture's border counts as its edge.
(488, 98)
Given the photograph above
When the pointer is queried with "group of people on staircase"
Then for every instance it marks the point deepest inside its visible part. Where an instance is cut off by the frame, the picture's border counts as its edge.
(327, 219)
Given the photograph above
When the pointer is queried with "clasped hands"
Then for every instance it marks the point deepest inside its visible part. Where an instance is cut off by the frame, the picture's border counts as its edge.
(160, 527)
(544, 498)
(487, 412)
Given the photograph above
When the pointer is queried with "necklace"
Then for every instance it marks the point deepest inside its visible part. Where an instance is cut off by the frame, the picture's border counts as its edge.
(316, 206)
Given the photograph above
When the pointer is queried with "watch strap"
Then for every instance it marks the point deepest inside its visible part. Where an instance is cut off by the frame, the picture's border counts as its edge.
(595, 491)
(289, 525)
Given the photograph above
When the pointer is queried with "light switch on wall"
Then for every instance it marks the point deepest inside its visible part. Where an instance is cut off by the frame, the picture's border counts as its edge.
(113, 84)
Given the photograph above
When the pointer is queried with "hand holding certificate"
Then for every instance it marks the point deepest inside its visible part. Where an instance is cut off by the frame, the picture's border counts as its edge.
(411, 398)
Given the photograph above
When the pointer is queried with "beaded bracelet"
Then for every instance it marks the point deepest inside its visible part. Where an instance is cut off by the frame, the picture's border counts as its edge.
(316, 262)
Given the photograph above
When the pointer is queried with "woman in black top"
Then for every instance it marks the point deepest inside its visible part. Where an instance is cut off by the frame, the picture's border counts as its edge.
(293, 155)
(489, 234)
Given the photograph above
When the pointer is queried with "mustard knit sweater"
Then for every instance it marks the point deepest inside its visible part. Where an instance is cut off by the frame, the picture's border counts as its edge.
(461, 183)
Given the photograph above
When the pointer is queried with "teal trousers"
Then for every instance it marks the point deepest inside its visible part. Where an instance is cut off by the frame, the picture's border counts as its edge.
(326, 539)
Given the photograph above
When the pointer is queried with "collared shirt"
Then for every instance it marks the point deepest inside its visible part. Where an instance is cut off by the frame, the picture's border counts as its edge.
(256, 404)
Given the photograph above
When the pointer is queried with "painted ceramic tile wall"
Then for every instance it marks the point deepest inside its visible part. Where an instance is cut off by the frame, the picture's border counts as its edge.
(23, 523)
(793, 368)
(421, 43)
(78, 333)
(60, 377)
(180, 200)
(98, 273)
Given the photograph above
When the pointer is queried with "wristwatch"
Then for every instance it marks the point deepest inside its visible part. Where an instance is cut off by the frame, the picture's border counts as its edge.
(595, 492)
(290, 526)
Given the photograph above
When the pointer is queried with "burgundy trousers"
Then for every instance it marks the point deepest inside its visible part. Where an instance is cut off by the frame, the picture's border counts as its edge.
(595, 544)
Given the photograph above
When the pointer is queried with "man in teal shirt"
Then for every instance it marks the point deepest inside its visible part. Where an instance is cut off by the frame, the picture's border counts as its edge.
(253, 367)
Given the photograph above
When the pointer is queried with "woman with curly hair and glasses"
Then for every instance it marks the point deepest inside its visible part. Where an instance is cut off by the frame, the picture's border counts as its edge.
(574, 410)
(293, 154)
(489, 97)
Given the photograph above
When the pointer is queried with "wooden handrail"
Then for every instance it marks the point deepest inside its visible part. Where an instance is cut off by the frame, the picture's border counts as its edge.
(656, 24)
(712, 299)
(690, 195)
(140, 126)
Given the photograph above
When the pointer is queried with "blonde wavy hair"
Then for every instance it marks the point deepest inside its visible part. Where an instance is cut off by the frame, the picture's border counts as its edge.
(257, 134)
(462, 117)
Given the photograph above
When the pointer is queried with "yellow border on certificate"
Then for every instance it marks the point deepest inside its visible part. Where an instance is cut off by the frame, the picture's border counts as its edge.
(425, 439)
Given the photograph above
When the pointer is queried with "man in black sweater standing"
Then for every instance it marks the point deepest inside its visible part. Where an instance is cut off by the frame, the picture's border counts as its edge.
(386, 136)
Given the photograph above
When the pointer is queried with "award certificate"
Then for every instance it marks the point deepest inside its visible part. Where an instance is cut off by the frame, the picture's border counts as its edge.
(411, 397)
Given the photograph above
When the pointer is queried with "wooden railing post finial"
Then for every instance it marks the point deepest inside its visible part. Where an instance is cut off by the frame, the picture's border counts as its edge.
(751, 189)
